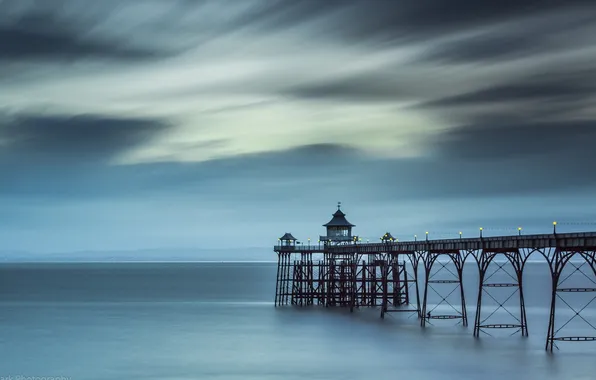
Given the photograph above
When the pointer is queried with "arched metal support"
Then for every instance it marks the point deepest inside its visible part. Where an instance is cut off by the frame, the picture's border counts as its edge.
(558, 259)
(517, 259)
(429, 259)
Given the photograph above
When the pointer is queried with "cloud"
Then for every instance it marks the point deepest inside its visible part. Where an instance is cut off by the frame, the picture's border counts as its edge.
(551, 94)
(357, 87)
(45, 35)
(519, 91)
(465, 162)
(543, 32)
(97, 137)
(127, 30)
(563, 147)
(485, 48)
(391, 21)
(67, 155)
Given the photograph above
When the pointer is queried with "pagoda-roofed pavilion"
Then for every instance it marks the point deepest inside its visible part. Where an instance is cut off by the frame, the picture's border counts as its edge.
(339, 230)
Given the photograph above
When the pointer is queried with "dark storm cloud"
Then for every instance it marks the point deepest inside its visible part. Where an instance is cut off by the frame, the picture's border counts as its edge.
(54, 137)
(62, 30)
(281, 14)
(361, 20)
(550, 94)
(543, 33)
(511, 159)
(26, 171)
(566, 144)
(61, 155)
(328, 170)
(466, 162)
(485, 48)
(50, 35)
(573, 86)
(547, 89)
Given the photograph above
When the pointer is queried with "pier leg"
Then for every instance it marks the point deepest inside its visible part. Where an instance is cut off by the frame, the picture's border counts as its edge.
(396, 286)
(331, 284)
(385, 288)
(517, 259)
(294, 283)
(354, 283)
(415, 260)
(481, 276)
(364, 291)
(429, 259)
(287, 279)
(406, 284)
(279, 260)
(563, 272)
(458, 261)
(282, 280)
(311, 284)
(375, 283)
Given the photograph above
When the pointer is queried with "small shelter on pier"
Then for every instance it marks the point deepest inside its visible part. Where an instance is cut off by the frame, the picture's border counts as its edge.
(387, 238)
(287, 240)
(339, 230)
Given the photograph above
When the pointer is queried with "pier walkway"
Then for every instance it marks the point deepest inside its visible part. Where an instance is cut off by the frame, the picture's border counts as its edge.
(397, 276)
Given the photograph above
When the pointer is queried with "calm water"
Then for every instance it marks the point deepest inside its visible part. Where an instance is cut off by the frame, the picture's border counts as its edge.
(217, 321)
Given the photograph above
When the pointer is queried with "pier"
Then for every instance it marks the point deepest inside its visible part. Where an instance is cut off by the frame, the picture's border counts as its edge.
(339, 270)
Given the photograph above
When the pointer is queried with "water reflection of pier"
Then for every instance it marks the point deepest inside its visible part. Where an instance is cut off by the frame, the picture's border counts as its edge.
(397, 277)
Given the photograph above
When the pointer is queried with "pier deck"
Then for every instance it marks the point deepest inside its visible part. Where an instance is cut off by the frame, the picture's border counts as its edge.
(386, 275)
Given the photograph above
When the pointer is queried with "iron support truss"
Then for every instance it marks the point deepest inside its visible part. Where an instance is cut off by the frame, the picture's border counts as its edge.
(454, 278)
(516, 259)
(563, 270)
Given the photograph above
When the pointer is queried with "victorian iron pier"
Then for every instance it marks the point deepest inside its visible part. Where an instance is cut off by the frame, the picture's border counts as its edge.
(398, 277)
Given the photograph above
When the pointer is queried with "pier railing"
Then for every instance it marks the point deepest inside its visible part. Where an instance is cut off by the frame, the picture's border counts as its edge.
(565, 240)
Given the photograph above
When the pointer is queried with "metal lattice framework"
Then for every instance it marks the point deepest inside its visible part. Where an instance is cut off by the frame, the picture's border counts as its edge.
(376, 275)
(454, 277)
(516, 259)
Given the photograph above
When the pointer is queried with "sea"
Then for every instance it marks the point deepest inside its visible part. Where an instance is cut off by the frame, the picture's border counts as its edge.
(213, 320)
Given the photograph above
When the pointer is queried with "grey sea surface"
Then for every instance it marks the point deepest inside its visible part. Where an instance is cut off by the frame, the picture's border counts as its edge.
(217, 321)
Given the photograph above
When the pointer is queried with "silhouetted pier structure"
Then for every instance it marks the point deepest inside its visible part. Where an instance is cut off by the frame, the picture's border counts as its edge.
(341, 270)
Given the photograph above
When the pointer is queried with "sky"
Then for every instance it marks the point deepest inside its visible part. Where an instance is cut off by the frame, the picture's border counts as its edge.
(129, 124)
